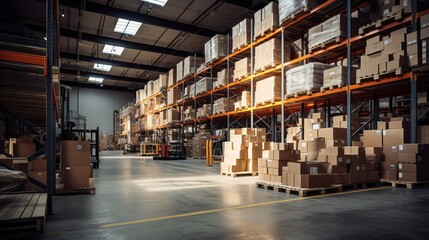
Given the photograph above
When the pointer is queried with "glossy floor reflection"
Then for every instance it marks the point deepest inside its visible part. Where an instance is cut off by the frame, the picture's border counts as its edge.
(139, 198)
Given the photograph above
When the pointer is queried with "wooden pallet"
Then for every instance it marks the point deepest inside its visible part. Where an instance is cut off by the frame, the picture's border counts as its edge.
(378, 76)
(265, 32)
(265, 67)
(297, 13)
(351, 186)
(60, 190)
(242, 45)
(325, 88)
(239, 174)
(239, 77)
(219, 112)
(267, 102)
(406, 184)
(298, 94)
(381, 22)
(302, 192)
(219, 86)
(200, 157)
(327, 43)
(21, 209)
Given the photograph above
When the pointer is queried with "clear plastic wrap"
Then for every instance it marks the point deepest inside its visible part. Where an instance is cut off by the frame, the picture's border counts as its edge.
(305, 78)
(288, 7)
(11, 179)
(171, 77)
(179, 71)
(332, 28)
(204, 85)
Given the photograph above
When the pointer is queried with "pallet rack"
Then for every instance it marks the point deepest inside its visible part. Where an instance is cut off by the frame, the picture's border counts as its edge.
(404, 83)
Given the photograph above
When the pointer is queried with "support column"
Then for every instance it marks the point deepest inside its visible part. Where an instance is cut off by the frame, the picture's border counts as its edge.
(349, 62)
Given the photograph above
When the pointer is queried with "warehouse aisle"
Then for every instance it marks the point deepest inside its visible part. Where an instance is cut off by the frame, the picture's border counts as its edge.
(144, 199)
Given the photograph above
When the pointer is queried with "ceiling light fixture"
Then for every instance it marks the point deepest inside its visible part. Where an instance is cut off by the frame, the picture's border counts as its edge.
(102, 67)
(157, 2)
(127, 26)
(115, 50)
(95, 79)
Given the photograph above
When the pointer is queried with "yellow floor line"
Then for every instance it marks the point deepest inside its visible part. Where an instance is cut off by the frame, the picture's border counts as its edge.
(111, 225)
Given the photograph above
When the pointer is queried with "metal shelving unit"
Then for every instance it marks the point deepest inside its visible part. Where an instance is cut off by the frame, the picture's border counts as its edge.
(352, 45)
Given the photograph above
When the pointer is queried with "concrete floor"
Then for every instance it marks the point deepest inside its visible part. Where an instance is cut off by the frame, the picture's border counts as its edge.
(144, 199)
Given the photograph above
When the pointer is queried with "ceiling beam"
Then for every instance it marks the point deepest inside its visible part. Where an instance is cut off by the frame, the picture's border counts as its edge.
(249, 4)
(145, 19)
(104, 87)
(85, 73)
(113, 62)
(117, 42)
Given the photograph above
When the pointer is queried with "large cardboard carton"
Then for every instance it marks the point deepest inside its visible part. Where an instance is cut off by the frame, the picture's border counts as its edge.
(76, 177)
(373, 138)
(24, 149)
(312, 181)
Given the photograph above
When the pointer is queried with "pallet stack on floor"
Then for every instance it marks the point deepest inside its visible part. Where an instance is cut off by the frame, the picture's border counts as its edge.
(241, 153)
(274, 158)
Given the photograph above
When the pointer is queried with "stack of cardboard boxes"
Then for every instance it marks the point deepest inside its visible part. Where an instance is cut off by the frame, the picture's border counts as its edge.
(204, 111)
(179, 71)
(173, 95)
(190, 65)
(387, 8)
(188, 113)
(266, 19)
(37, 170)
(221, 79)
(417, 48)
(221, 106)
(269, 54)
(242, 69)
(383, 54)
(332, 30)
(215, 48)
(306, 175)
(268, 90)
(199, 144)
(308, 77)
(204, 85)
(23, 147)
(172, 116)
(241, 153)
(275, 156)
(171, 77)
(289, 9)
(241, 34)
(75, 163)
(244, 101)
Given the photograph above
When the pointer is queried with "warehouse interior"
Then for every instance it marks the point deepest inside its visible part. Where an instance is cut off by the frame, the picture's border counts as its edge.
(214, 119)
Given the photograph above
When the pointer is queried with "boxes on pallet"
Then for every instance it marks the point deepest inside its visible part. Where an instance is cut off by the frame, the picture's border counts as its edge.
(188, 113)
(173, 95)
(305, 78)
(221, 105)
(75, 163)
(215, 48)
(172, 115)
(241, 34)
(171, 77)
(269, 54)
(179, 71)
(243, 150)
(266, 19)
(337, 76)
(204, 85)
(244, 101)
(199, 144)
(242, 69)
(289, 10)
(330, 31)
(190, 65)
(204, 111)
(268, 90)
(221, 79)
(162, 81)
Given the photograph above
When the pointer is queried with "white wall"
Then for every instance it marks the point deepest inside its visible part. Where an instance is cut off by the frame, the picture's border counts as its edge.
(98, 105)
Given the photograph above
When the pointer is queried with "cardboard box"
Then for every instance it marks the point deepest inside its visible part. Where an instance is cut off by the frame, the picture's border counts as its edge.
(271, 163)
(335, 169)
(312, 181)
(24, 149)
(394, 137)
(391, 175)
(382, 125)
(336, 143)
(399, 125)
(373, 138)
(275, 171)
(76, 177)
(412, 177)
(307, 167)
(333, 133)
(38, 165)
(38, 175)
(337, 160)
